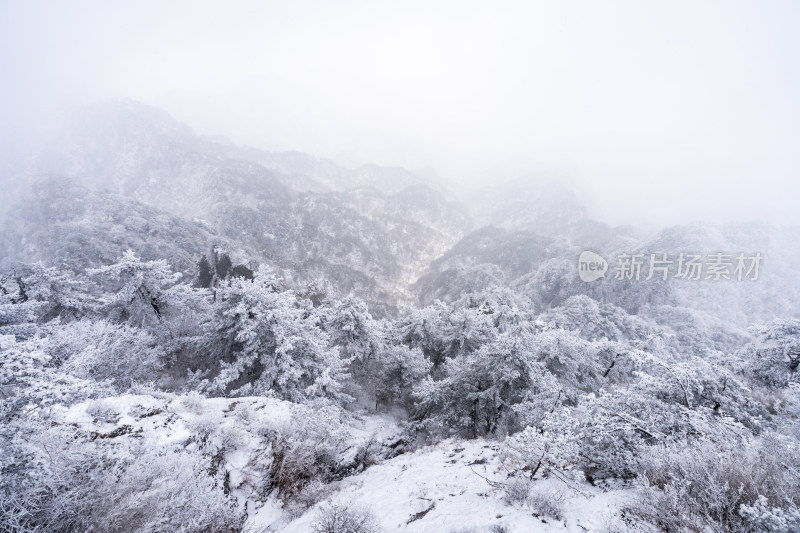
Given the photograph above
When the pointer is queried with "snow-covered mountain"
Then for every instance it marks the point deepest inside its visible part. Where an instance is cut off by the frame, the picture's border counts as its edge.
(196, 336)
(372, 232)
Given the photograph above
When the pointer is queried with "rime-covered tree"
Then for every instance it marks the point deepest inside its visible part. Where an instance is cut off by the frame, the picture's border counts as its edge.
(774, 355)
(271, 343)
(137, 288)
(399, 370)
(352, 329)
(18, 312)
(67, 294)
(480, 390)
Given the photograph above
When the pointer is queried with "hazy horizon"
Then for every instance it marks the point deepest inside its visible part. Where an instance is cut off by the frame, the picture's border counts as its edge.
(663, 114)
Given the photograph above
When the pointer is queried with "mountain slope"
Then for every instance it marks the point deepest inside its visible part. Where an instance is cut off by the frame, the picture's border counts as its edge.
(372, 240)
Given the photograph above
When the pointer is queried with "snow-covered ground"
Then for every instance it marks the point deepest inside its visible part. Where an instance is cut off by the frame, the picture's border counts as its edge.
(453, 486)
(444, 488)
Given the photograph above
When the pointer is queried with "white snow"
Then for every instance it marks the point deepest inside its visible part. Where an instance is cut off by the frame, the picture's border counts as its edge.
(448, 479)
(451, 486)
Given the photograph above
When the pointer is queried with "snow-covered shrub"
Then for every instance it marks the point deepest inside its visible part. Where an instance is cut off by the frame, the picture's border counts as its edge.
(616, 522)
(103, 411)
(164, 491)
(309, 448)
(71, 483)
(314, 492)
(765, 519)
(516, 490)
(338, 518)
(522, 491)
(662, 401)
(28, 381)
(553, 448)
(194, 402)
(101, 350)
(546, 502)
(206, 426)
(717, 483)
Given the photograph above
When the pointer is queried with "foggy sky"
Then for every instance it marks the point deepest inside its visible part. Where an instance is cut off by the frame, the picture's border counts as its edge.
(659, 111)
